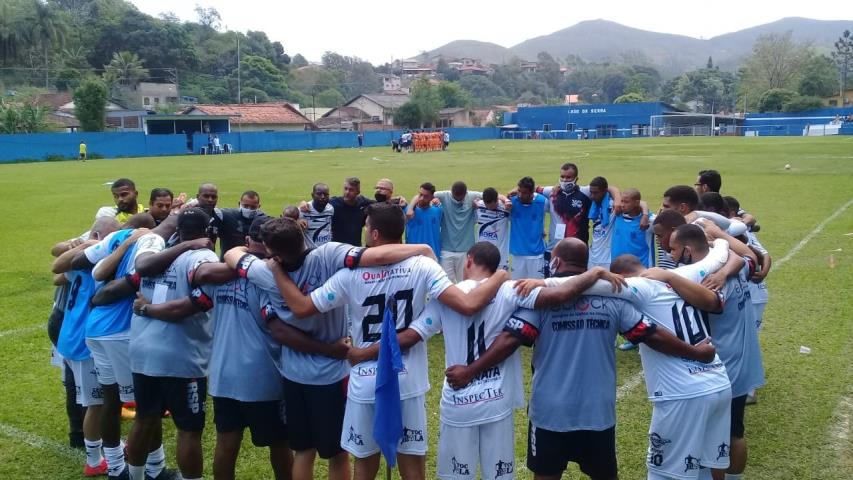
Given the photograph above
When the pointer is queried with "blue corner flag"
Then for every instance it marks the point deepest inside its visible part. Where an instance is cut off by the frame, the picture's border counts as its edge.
(388, 417)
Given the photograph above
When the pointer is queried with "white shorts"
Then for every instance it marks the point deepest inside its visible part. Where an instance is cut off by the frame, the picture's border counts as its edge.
(490, 445)
(357, 434)
(528, 267)
(453, 264)
(759, 314)
(686, 434)
(88, 390)
(112, 363)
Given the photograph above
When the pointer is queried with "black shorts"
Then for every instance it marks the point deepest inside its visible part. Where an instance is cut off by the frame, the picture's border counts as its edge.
(184, 398)
(263, 419)
(738, 406)
(548, 453)
(315, 416)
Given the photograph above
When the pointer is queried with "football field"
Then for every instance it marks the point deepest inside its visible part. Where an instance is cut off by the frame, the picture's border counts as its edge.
(800, 428)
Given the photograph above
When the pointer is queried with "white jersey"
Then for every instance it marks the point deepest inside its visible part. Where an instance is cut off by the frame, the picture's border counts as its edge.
(319, 229)
(493, 393)
(493, 227)
(758, 291)
(669, 377)
(364, 291)
(602, 238)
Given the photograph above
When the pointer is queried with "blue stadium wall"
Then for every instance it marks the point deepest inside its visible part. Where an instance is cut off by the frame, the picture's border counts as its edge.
(601, 120)
(42, 146)
(793, 123)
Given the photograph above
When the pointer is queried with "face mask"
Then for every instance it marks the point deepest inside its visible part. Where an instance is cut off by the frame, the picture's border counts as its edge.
(380, 197)
(552, 267)
(685, 259)
(247, 212)
(567, 186)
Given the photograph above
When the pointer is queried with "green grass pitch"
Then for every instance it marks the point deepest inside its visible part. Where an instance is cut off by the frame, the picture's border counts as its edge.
(799, 429)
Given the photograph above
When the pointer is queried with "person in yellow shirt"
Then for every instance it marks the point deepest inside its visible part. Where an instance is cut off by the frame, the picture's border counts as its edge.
(126, 204)
(82, 150)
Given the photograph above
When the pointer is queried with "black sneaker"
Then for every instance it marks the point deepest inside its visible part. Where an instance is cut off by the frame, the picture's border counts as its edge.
(165, 474)
(124, 475)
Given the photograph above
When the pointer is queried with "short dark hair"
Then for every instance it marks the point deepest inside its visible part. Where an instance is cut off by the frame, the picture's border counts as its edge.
(458, 188)
(388, 219)
(140, 220)
(194, 220)
(123, 182)
(490, 195)
(669, 219)
(251, 194)
(626, 263)
(428, 187)
(353, 182)
(692, 235)
(282, 234)
(713, 202)
(527, 182)
(570, 166)
(733, 204)
(712, 179)
(599, 182)
(683, 194)
(160, 192)
(486, 255)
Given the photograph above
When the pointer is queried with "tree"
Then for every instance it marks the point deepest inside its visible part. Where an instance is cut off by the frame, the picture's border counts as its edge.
(208, 17)
(548, 70)
(774, 99)
(330, 98)
(125, 69)
(426, 97)
(260, 73)
(777, 61)
(843, 57)
(48, 28)
(23, 117)
(447, 73)
(483, 90)
(408, 115)
(298, 61)
(801, 103)
(820, 77)
(453, 95)
(90, 105)
(712, 89)
(613, 86)
(630, 98)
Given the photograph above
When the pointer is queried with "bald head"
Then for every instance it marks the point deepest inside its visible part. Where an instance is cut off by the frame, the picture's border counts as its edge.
(627, 265)
(103, 227)
(140, 220)
(208, 196)
(572, 253)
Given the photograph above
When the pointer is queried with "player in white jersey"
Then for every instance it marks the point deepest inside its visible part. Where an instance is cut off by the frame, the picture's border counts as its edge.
(733, 325)
(314, 380)
(318, 217)
(602, 212)
(493, 223)
(476, 421)
(364, 290)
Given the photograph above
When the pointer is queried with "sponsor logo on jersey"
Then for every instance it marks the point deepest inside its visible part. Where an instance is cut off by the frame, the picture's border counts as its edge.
(410, 435)
(486, 395)
(692, 463)
(723, 451)
(503, 468)
(656, 444)
(354, 438)
(489, 235)
(386, 273)
(459, 468)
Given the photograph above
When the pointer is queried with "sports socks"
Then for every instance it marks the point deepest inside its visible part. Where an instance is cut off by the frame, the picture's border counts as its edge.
(137, 472)
(115, 459)
(730, 476)
(93, 452)
(156, 462)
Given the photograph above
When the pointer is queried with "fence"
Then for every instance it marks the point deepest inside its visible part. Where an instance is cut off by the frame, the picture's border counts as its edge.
(42, 146)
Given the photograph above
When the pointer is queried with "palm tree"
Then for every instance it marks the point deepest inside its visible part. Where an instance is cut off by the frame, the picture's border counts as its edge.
(48, 28)
(13, 34)
(125, 69)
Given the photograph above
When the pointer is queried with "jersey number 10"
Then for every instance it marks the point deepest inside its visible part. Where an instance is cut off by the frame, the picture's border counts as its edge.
(690, 321)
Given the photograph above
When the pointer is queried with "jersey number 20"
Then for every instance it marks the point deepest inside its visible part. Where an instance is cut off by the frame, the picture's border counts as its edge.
(376, 318)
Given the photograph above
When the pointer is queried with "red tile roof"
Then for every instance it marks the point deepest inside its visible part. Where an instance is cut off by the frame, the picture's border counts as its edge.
(254, 113)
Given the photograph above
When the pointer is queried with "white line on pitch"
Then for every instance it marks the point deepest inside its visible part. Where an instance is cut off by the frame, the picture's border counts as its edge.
(38, 441)
(632, 382)
(812, 234)
(20, 331)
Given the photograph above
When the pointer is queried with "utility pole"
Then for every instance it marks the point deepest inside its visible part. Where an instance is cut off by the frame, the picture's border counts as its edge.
(239, 96)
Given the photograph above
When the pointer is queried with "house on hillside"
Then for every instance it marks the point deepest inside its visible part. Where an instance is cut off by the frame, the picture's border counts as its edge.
(256, 117)
(347, 119)
(837, 101)
(118, 117)
(151, 95)
(454, 117)
(380, 107)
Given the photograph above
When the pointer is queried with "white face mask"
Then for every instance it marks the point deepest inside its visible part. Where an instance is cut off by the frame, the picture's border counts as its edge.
(552, 267)
(247, 212)
(567, 186)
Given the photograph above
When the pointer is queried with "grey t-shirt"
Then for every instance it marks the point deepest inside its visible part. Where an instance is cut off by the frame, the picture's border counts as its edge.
(172, 349)
(457, 221)
(244, 363)
(318, 265)
(574, 364)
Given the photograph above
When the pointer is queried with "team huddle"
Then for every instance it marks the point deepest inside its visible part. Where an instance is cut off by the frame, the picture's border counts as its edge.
(282, 328)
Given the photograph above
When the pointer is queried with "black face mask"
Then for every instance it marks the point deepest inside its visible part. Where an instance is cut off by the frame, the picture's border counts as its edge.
(380, 197)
